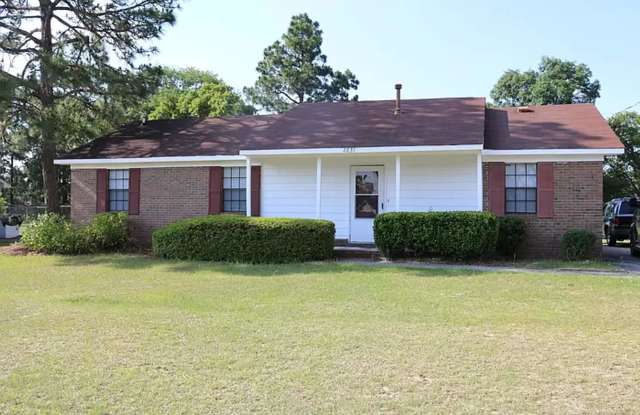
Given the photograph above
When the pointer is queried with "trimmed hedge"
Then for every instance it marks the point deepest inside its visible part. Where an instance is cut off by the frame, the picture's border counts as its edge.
(578, 244)
(458, 235)
(54, 234)
(512, 231)
(233, 238)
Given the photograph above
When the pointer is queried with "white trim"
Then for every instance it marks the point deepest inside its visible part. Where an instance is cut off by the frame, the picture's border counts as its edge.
(248, 186)
(540, 158)
(479, 180)
(397, 183)
(318, 186)
(555, 152)
(212, 160)
(361, 150)
(72, 162)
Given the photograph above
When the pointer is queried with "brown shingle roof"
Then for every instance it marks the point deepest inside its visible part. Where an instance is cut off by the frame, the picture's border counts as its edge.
(446, 121)
(175, 138)
(568, 126)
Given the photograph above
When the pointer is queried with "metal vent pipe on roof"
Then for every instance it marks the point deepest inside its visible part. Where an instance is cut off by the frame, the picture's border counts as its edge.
(396, 111)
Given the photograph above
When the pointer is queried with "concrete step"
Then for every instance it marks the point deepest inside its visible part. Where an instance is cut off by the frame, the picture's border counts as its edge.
(368, 252)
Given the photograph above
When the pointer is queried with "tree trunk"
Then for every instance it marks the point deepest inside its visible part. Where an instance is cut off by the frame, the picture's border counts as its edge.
(12, 182)
(49, 171)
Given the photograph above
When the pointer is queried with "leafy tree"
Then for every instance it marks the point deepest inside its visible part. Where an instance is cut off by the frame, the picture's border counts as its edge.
(554, 82)
(61, 53)
(294, 70)
(194, 93)
(622, 173)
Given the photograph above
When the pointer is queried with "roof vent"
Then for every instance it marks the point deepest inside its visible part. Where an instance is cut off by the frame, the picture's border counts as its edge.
(525, 109)
(396, 111)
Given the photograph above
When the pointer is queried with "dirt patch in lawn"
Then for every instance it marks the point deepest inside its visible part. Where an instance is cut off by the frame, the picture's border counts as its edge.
(16, 249)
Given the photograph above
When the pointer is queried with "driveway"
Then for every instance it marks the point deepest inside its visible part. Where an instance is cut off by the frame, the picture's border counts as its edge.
(620, 254)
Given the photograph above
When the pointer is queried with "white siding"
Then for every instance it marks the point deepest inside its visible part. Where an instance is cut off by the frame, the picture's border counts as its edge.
(438, 183)
(433, 182)
(288, 188)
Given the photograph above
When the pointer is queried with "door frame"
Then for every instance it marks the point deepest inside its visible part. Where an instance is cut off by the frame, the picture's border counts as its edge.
(382, 181)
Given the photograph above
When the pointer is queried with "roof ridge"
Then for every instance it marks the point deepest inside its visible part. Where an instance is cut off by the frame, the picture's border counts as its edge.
(392, 100)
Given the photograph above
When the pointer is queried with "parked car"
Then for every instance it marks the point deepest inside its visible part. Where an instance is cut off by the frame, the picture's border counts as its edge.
(618, 217)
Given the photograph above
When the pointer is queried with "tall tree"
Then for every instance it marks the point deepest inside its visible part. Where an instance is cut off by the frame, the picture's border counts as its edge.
(294, 70)
(191, 92)
(62, 51)
(622, 173)
(556, 81)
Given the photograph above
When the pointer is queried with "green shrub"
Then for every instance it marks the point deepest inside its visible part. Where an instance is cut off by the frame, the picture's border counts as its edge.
(512, 231)
(233, 238)
(578, 244)
(108, 231)
(3, 206)
(457, 235)
(53, 234)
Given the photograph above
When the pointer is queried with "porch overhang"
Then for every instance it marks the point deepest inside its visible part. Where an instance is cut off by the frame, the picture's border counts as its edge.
(362, 150)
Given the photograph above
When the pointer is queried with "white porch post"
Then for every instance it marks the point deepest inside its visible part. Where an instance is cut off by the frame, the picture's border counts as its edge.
(318, 185)
(248, 184)
(479, 179)
(397, 183)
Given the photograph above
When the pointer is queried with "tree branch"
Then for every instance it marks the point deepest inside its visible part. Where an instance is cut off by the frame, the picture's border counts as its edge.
(20, 31)
(289, 97)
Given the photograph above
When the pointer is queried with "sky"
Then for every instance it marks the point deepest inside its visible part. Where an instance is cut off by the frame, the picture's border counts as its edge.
(434, 48)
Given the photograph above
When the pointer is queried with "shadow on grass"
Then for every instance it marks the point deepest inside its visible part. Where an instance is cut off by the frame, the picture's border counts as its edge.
(141, 262)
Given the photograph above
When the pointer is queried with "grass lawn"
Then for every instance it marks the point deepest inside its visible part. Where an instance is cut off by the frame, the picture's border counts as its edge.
(129, 334)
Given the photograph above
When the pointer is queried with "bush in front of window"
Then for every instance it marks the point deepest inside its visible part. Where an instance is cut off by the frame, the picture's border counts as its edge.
(51, 233)
(578, 244)
(233, 238)
(512, 231)
(457, 235)
(108, 232)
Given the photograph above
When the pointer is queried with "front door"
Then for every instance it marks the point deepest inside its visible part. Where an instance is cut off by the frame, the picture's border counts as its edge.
(367, 189)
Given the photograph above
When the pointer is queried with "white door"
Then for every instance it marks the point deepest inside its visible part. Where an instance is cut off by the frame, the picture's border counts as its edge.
(367, 200)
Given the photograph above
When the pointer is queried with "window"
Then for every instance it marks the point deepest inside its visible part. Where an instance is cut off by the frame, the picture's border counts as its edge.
(235, 186)
(625, 208)
(118, 190)
(366, 194)
(521, 188)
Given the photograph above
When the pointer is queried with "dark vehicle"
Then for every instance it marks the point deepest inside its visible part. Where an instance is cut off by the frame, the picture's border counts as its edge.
(618, 217)
(635, 227)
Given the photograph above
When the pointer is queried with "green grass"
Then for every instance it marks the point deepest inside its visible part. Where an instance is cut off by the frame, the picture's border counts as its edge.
(129, 334)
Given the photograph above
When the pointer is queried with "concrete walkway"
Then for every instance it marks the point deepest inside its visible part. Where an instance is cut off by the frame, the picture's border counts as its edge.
(496, 268)
(621, 255)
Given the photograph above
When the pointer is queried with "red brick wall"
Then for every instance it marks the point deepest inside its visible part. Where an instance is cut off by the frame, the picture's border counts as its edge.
(577, 204)
(83, 195)
(166, 195)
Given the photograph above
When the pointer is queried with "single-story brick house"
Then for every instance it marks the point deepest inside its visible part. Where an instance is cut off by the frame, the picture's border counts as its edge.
(348, 161)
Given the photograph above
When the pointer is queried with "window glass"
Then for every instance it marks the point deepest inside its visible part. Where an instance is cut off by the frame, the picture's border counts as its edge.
(366, 205)
(625, 209)
(520, 188)
(118, 190)
(235, 190)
